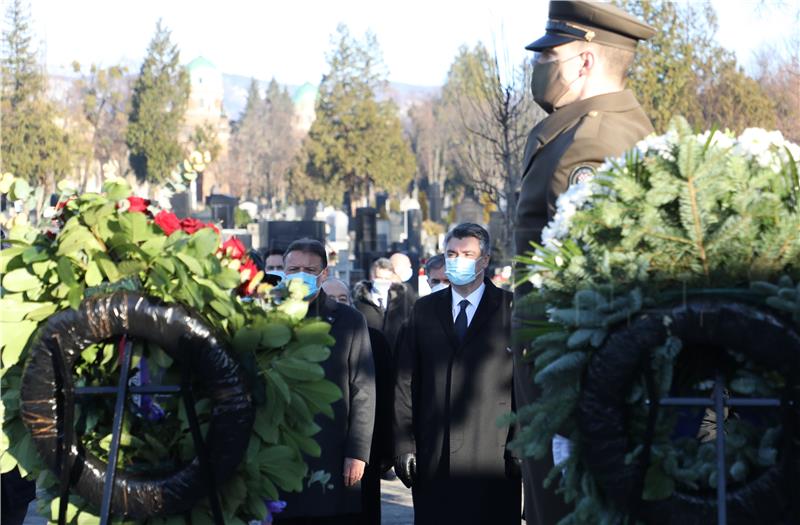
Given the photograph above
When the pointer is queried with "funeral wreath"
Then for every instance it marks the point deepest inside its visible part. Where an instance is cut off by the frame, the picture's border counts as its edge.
(96, 266)
(676, 262)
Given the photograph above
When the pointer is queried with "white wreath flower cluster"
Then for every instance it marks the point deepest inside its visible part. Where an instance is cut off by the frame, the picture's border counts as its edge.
(768, 149)
(567, 206)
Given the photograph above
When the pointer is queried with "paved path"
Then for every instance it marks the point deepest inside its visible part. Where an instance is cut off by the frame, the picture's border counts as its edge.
(396, 508)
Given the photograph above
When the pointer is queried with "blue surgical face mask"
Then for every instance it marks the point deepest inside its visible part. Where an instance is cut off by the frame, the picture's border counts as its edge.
(276, 273)
(460, 270)
(310, 280)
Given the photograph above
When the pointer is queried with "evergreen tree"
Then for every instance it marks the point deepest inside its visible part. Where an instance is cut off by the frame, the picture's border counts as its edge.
(33, 146)
(356, 142)
(159, 101)
(682, 70)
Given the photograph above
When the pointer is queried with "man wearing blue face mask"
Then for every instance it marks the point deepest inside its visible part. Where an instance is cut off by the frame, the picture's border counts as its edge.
(346, 438)
(453, 381)
(384, 300)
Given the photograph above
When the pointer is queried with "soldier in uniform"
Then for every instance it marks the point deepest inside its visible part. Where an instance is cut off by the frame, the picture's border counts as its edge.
(579, 79)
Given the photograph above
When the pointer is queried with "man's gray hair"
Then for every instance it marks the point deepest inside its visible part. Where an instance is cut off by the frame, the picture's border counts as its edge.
(470, 229)
(381, 263)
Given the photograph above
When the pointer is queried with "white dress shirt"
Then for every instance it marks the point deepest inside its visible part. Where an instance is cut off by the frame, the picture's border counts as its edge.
(474, 300)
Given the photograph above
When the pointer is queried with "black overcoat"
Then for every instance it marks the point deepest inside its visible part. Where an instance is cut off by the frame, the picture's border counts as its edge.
(349, 433)
(388, 320)
(448, 397)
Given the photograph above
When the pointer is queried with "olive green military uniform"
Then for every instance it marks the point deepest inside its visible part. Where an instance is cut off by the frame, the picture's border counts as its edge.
(565, 148)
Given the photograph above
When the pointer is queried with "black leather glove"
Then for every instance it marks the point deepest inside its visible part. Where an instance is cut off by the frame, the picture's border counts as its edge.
(405, 466)
(513, 467)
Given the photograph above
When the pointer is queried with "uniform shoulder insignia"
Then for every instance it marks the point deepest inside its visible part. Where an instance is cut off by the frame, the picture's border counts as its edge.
(581, 173)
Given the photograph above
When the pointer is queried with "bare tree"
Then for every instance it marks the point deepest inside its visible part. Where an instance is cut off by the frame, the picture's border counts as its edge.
(429, 142)
(494, 116)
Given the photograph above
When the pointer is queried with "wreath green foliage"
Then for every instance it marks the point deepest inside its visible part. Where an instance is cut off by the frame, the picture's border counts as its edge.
(109, 241)
(682, 215)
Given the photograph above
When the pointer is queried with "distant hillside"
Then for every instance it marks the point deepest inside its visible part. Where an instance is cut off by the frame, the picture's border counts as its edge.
(236, 86)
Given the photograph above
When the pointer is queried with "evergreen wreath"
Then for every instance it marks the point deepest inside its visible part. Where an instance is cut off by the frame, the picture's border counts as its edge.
(682, 226)
(93, 244)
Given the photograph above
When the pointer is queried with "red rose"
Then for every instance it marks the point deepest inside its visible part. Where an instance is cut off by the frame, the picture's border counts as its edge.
(63, 204)
(191, 225)
(248, 270)
(138, 204)
(167, 221)
(233, 248)
(250, 276)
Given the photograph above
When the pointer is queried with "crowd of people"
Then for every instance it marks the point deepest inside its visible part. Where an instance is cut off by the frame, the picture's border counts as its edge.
(444, 367)
(424, 380)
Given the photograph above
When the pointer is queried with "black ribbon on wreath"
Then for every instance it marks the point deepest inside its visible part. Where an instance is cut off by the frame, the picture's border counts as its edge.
(48, 404)
(761, 337)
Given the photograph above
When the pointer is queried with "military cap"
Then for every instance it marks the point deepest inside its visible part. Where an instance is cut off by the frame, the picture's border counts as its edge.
(587, 21)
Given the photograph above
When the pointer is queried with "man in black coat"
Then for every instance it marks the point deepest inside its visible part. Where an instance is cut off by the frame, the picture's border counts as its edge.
(454, 379)
(384, 300)
(381, 450)
(346, 439)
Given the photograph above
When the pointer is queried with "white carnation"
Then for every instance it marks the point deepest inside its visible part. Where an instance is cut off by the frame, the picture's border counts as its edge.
(567, 205)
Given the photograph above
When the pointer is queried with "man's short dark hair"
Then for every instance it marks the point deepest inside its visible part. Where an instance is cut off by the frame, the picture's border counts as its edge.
(382, 263)
(434, 263)
(470, 229)
(307, 245)
(273, 251)
(617, 61)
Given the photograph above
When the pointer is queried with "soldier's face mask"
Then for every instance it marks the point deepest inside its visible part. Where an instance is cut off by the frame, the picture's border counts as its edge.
(548, 84)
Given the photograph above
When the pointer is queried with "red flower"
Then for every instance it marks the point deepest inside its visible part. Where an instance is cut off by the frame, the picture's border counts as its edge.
(191, 225)
(248, 270)
(138, 204)
(233, 248)
(250, 276)
(167, 221)
(212, 226)
(63, 204)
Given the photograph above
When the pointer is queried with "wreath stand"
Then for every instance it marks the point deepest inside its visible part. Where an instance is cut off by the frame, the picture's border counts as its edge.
(66, 433)
(719, 403)
(740, 327)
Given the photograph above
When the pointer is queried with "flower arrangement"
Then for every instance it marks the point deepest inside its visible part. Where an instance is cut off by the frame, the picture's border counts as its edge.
(682, 215)
(93, 243)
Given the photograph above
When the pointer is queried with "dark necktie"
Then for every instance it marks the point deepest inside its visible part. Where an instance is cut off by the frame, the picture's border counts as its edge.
(461, 321)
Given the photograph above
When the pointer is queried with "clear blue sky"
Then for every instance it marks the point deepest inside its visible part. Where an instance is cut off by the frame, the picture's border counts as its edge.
(289, 39)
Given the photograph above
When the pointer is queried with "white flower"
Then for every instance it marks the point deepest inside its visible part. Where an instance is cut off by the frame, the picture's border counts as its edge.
(721, 139)
(559, 260)
(49, 212)
(658, 145)
(123, 205)
(536, 280)
(567, 205)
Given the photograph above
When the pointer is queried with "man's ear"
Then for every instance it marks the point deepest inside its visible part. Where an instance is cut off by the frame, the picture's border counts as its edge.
(323, 275)
(589, 61)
